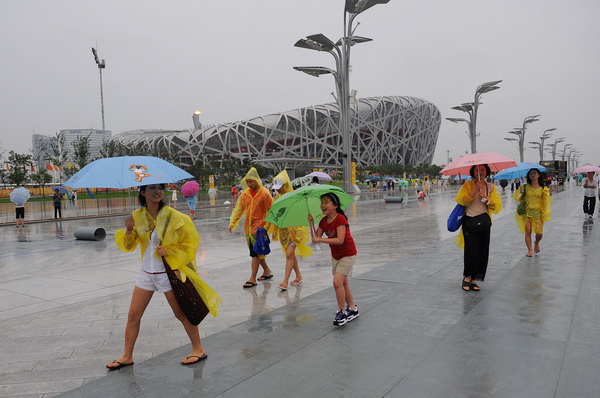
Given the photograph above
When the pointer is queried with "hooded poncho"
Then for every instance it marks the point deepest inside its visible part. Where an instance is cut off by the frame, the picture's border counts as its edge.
(180, 240)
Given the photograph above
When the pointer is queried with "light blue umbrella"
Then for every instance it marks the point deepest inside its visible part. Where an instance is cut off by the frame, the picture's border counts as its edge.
(126, 172)
(519, 171)
(20, 195)
(462, 177)
(61, 190)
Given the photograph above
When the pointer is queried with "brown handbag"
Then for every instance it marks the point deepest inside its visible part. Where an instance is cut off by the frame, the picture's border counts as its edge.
(187, 296)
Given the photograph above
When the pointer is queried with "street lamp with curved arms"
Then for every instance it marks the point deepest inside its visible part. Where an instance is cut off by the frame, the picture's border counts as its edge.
(565, 150)
(101, 65)
(554, 147)
(520, 133)
(540, 145)
(471, 109)
(341, 53)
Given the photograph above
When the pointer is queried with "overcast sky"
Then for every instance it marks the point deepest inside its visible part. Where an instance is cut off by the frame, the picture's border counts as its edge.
(233, 59)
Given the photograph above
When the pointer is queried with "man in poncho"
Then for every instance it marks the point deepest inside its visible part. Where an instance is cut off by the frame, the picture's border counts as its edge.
(255, 201)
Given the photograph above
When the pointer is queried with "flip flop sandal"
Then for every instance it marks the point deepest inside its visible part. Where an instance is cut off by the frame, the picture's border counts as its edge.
(294, 283)
(282, 287)
(198, 359)
(474, 287)
(265, 277)
(248, 285)
(119, 366)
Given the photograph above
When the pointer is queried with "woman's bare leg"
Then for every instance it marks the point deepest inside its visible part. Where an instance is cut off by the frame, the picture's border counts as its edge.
(139, 302)
(191, 330)
(528, 237)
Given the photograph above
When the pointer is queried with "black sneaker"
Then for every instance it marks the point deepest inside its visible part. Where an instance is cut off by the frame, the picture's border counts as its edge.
(352, 314)
(340, 318)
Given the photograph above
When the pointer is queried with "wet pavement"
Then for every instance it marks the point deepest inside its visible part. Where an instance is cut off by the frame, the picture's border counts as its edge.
(532, 331)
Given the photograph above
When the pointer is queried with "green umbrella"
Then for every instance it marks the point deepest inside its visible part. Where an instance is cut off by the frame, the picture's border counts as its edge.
(291, 209)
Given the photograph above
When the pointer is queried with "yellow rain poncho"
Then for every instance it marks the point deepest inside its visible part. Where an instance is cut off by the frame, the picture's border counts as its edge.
(298, 235)
(537, 207)
(256, 207)
(463, 198)
(181, 242)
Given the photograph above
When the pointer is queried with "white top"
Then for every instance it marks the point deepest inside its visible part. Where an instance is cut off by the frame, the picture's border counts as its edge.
(591, 192)
(151, 263)
(174, 195)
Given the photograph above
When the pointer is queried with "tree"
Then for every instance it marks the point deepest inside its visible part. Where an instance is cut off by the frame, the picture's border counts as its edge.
(112, 148)
(81, 151)
(20, 164)
(58, 151)
(41, 178)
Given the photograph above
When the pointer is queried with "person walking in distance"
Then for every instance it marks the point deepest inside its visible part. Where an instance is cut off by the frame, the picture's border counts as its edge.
(533, 210)
(590, 186)
(255, 201)
(343, 252)
(57, 202)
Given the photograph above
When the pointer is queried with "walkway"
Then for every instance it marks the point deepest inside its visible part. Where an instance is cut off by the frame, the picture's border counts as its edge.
(531, 332)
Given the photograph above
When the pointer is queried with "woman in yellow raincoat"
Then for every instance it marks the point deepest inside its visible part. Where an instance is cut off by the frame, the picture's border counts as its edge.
(533, 210)
(293, 239)
(161, 231)
(479, 197)
(255, 201)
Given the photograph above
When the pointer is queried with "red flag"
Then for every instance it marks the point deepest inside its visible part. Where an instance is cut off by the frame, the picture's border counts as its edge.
(48, 166)
(32, 169)
(56, 167)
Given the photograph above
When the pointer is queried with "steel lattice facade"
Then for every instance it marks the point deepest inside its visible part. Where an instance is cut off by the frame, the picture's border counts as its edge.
(391, 129)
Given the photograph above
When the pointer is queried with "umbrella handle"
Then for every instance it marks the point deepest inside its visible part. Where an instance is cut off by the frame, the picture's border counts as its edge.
(312, 231)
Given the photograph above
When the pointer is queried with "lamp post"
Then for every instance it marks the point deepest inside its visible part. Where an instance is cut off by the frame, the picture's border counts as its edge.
(565, 150)
(540, 145)
(471, 109)
(341, 53)
(520, 133)
(101, 65)
(554, 146)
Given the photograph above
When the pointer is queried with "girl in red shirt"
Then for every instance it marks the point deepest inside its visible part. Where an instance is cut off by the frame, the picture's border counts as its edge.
(343, 252)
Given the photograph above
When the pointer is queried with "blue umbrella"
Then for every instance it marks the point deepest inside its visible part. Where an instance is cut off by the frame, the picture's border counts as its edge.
(126, 172)
(519, 171)
(61, 190)
(462, 177)
(19, 195)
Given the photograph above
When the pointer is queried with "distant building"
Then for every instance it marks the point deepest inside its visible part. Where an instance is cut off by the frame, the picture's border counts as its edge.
(43, 143)
(390, 129)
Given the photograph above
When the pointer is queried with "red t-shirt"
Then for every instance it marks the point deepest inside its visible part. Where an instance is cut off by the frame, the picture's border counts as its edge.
(346, 249)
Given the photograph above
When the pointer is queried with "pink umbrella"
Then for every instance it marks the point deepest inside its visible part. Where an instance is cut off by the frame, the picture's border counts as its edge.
(190, 188)
(586, 169)
(463, 165)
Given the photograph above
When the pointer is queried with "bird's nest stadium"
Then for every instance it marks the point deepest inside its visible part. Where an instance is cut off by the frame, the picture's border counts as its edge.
(384, 130)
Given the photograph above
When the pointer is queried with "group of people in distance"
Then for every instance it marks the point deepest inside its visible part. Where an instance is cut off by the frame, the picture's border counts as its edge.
(482, 198)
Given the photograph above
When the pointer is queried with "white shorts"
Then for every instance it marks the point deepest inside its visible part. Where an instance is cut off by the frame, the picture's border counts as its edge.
(153, 282)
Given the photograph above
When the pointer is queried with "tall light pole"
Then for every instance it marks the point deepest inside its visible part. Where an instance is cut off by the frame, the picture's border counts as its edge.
(520, 133)
(471, 109)
(101, 65)
(565, 150)
(341, 53)
(540, 145)
(553, 147)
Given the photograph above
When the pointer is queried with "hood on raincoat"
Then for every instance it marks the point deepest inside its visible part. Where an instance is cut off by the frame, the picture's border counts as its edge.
(283, 178)
(252, 175)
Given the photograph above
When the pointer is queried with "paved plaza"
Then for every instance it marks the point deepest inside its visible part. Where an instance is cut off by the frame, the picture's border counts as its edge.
(532, 331)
